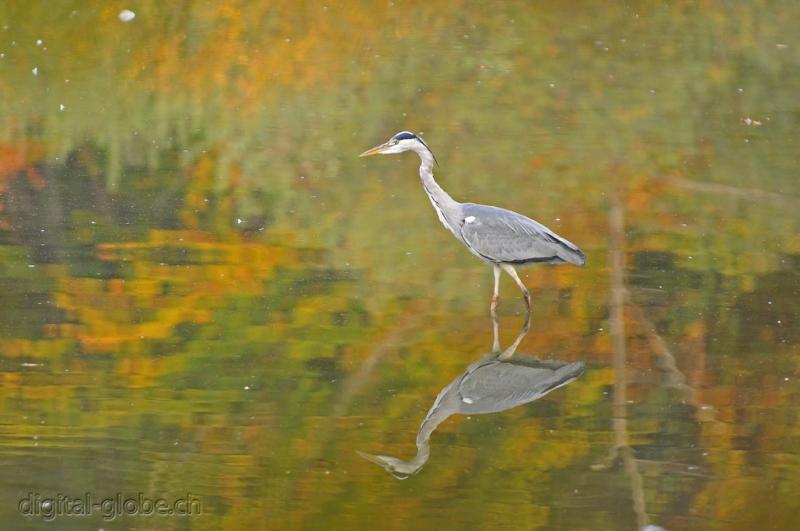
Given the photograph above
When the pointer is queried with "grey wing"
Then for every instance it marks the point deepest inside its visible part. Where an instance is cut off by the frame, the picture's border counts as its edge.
(500, 235)
(501, 385)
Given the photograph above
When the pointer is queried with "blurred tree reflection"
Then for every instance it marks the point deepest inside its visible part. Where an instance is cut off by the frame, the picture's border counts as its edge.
(202, 285)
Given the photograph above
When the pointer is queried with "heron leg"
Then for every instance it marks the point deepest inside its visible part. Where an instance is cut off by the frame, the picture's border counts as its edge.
(508, 268)
(507, 353)
(495, 333)
(496, 295)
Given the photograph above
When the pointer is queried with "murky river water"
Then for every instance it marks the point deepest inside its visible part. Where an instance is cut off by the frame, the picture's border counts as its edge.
(212, 306)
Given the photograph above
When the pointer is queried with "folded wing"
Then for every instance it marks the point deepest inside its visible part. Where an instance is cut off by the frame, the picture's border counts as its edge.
(500, 235)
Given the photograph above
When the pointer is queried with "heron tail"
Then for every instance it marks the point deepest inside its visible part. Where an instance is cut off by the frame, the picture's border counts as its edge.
(570, 253)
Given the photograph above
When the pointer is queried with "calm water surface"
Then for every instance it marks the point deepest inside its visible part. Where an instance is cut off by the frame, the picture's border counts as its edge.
(207, 296)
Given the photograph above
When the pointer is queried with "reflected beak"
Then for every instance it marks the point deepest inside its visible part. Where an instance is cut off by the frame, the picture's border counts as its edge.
(369, 457)
(377, 150)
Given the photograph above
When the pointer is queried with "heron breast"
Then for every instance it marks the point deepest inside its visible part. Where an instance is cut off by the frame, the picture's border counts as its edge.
(440, 214)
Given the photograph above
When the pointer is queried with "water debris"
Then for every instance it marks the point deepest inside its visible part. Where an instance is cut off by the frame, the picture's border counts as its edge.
(61, 107)
(746, 120)
(126, 15)
(781, 46)
(35, 71)
(39, 42)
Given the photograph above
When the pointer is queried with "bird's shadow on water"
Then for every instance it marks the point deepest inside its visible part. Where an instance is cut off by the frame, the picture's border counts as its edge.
(498, 381)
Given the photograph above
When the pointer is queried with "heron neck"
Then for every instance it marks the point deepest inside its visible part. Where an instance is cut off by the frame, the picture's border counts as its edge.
(423, 454)
(428, 426)
(423, 447)
(440, 199)
(441, 409)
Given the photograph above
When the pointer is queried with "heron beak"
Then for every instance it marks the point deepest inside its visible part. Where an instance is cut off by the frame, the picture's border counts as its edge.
(377, 150)
(372, 458)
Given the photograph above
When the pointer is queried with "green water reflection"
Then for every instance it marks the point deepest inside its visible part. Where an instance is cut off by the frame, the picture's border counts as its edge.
(205, 291)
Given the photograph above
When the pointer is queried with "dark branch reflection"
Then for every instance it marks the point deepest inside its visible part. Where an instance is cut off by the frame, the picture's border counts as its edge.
(496, 382)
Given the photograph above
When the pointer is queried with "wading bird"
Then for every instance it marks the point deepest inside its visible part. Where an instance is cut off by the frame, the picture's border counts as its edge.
(499, 381)
(497, 236)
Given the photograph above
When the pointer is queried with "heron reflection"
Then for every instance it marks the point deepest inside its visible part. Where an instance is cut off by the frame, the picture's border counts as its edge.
(496, 382)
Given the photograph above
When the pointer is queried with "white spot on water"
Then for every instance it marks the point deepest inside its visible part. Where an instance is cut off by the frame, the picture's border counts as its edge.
(61, 107)
(35, 71)
(126, 15)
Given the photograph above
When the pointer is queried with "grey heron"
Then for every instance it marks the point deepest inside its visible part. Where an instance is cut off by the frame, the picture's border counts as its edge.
(496, 382)
(500, 237)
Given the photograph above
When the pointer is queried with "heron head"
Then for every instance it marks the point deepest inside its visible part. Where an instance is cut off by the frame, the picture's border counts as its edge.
(402, 141)
(396, 467)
